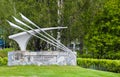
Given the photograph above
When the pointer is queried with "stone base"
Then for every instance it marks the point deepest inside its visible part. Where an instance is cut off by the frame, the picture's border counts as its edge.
(41, 58)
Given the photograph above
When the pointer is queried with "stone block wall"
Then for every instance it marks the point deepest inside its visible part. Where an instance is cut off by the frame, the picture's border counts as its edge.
(41, 58)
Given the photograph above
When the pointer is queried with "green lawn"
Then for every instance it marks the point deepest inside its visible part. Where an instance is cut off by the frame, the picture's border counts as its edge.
(52, 71)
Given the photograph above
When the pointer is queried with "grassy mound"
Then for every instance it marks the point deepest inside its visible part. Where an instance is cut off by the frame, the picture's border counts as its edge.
(53, 71)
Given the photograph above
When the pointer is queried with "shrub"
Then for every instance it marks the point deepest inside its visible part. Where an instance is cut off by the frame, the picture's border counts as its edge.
(4, 52)
(100, 64)
(3, 61)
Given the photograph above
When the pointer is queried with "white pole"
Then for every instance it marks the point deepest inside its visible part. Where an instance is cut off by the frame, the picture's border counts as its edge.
(26, 19)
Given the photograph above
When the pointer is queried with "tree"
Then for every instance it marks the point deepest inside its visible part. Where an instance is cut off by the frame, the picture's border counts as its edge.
(6, 11)
(104, 41)
(78, 16)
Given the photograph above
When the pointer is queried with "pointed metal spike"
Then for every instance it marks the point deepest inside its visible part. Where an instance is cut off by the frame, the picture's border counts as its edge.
(14, 25)
(26, 19)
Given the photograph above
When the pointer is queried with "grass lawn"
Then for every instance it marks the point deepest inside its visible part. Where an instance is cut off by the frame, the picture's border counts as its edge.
(52, 71)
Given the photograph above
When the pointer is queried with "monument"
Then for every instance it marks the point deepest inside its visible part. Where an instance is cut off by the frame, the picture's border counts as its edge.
(64, 56)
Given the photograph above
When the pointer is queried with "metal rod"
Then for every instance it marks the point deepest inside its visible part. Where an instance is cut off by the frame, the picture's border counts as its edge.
(26, 19)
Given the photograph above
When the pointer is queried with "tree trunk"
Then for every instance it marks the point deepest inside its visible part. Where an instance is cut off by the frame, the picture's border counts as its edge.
(81, 45)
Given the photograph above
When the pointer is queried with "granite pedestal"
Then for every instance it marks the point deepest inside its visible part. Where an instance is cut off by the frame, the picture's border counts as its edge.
(41, 58)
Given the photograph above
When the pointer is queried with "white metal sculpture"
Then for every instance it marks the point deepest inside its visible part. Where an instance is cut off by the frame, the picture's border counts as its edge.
(61, 58)
(23, 37)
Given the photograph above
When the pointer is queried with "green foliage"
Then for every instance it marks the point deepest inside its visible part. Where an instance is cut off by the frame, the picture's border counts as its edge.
(3, 61)
(100, 64)
(76, 15)
(4, 55)
(4, 52)
(103, 40)
(95, 24)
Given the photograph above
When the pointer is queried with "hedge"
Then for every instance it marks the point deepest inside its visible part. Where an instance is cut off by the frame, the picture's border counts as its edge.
(4, 52)
(3, 55)
(100, 64)
(3, 61)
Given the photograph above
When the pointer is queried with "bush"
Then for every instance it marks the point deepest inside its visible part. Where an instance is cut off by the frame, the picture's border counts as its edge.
(100, 64)
(4, 52)
(107, 55)
(3, 61)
